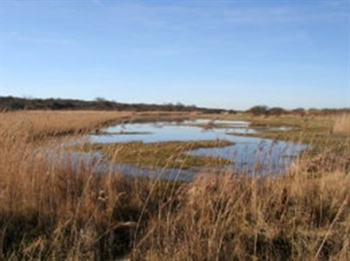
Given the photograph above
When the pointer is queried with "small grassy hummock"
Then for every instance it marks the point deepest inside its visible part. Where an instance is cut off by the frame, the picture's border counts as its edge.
(163, 154)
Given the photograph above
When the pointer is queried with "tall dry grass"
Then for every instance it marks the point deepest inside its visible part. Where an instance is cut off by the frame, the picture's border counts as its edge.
(69, 210)
(42, 124)
(226, 218)
(45, 123)
(342, 123)
(64, 210)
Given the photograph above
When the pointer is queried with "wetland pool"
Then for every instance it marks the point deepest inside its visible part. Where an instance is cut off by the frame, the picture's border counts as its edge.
(250, 155)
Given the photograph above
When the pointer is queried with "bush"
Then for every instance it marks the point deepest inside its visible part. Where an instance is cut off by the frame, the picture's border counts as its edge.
(258, 110)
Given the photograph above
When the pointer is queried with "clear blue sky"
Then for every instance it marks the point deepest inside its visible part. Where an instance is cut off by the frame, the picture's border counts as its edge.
(224, 54)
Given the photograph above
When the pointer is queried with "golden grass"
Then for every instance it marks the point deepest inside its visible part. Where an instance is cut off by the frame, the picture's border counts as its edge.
(35, 124)
(39, 124)
(225, 218)
(342, 123)
(66, 210)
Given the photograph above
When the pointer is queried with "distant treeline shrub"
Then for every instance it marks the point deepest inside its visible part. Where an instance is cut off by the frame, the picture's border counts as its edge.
(15, 103)
(263, 110)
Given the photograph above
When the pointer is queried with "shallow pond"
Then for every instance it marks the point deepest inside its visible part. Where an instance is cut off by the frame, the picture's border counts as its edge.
(255, 156)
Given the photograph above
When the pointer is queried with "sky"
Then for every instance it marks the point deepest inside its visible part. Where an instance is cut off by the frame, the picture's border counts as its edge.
(218, 54)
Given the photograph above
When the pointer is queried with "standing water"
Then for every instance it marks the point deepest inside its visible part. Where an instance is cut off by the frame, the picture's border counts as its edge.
(251, 155)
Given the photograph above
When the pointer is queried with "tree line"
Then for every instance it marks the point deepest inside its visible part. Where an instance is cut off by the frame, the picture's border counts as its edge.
(10, 103)
(14, 103)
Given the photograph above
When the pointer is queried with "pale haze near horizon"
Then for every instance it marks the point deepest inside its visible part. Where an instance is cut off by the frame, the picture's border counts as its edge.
(222, 54)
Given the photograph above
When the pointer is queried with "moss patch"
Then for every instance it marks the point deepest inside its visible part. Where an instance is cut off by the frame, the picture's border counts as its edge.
(163, 154)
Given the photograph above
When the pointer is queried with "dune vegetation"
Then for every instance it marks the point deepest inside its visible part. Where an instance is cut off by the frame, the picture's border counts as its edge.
(69, 210)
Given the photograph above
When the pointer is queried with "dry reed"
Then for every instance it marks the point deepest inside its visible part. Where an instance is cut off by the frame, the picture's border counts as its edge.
(68, 210)
(342, 123)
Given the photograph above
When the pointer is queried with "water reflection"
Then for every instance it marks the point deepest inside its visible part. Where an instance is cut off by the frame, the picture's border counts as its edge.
(255, 156)
(172, 131)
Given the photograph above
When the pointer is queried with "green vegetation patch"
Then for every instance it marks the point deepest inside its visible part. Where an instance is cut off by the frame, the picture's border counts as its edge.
(317, 131)
(318, 138)
(163, 154)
